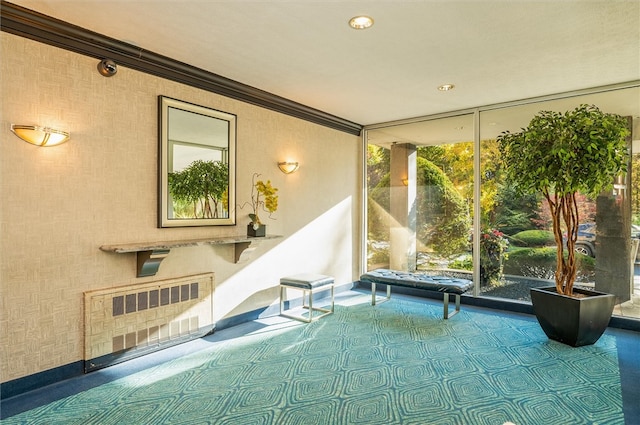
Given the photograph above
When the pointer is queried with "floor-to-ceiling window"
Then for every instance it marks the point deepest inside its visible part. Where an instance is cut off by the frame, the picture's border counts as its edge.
(420, 198)
(426, 212)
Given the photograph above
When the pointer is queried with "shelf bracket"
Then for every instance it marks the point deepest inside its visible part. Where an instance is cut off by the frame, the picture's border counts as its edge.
(149, 261)
(243, 251)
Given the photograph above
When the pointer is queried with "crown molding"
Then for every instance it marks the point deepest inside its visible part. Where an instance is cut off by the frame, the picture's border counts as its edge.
(30, 24)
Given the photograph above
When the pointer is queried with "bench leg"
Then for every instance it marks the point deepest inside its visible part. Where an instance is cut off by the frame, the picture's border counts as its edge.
(446, 305)
(446, 315)
(373, 294)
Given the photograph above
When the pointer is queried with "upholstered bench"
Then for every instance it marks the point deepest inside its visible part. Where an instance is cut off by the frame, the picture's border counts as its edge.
(307, 283)
(447, 285)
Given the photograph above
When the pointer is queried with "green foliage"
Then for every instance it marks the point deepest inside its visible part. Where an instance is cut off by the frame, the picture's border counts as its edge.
(493, 246)
(532, 262)
(456, 161)
(378, 160)
(182, 209)
(435, 154)
(635, 189)
(541, 263)
(578, 151)
(441, 213)
(379, 256)
(464, 262)
(533, 238)
(491, 176)
(560, 155)
(514, 212)
(378, 210)
(200, 184)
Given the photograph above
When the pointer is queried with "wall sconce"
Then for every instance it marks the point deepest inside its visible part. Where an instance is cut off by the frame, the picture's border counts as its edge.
(40, 136)
(288, 167)
(405, 182)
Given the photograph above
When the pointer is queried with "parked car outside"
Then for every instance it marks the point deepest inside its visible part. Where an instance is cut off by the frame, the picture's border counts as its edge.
(586, 241)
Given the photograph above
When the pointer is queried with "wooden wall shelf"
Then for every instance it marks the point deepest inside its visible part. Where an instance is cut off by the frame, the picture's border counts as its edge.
(150, 254)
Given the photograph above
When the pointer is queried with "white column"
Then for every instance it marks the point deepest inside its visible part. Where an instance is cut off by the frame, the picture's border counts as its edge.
(402, 250)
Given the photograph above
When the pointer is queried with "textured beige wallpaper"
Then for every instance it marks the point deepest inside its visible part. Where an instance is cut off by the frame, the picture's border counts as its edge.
(60, 204)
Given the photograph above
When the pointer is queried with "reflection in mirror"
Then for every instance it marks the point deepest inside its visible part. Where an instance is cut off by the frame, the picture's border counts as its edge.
(196, 172)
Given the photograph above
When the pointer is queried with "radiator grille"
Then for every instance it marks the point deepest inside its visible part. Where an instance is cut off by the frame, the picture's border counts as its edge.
(128, 321)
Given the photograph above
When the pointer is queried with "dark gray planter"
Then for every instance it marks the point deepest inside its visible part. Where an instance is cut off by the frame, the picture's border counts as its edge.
(259, 232)
(570, 320)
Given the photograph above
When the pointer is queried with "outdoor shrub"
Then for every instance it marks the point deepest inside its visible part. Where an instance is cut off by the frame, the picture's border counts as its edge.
(378, 256)
(541, 263)
(464, 262)
(493, 245)
(533, 238)
(528, 259)
(442, 220)
(515, 212)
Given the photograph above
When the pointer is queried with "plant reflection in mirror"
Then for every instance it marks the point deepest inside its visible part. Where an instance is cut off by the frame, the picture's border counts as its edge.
(203, 185)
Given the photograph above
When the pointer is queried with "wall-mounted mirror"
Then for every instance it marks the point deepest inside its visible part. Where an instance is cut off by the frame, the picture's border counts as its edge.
(196, 170)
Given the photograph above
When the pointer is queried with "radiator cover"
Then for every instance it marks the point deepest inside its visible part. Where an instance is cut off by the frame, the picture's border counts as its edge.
(125, 322)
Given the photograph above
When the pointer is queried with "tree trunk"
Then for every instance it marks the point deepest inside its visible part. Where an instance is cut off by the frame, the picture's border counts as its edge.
(564, 211)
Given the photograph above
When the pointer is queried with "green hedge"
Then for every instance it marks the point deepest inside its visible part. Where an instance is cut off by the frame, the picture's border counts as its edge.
(533, 262)
(533, 238)
(541, 262)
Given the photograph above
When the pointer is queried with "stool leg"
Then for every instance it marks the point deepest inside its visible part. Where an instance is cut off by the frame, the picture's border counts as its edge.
(322, 311)
(332, 302)
(281, 298)
(310, 304)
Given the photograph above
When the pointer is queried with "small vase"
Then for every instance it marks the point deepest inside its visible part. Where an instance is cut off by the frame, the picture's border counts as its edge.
(259, 232)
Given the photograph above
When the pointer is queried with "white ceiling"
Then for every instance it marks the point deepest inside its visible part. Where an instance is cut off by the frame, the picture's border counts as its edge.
(302, 50)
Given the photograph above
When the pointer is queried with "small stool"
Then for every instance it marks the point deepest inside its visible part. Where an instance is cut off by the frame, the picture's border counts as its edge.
(306, 282)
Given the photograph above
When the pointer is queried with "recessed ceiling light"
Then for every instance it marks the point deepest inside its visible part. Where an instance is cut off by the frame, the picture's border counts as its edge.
(446, 87)
(360, 22)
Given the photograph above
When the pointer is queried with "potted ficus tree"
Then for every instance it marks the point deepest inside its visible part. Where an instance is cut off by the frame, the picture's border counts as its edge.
(263, 199)
(203, 186)
(561, 155)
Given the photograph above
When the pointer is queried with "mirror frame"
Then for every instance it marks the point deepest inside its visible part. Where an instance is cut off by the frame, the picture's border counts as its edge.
(164, 156)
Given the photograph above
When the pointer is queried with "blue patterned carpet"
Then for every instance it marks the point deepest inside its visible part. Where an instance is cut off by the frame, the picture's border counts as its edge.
(396, 363)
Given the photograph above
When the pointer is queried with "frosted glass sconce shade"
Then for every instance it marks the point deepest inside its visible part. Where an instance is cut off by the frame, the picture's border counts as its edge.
(288, 167)
(40, 136)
